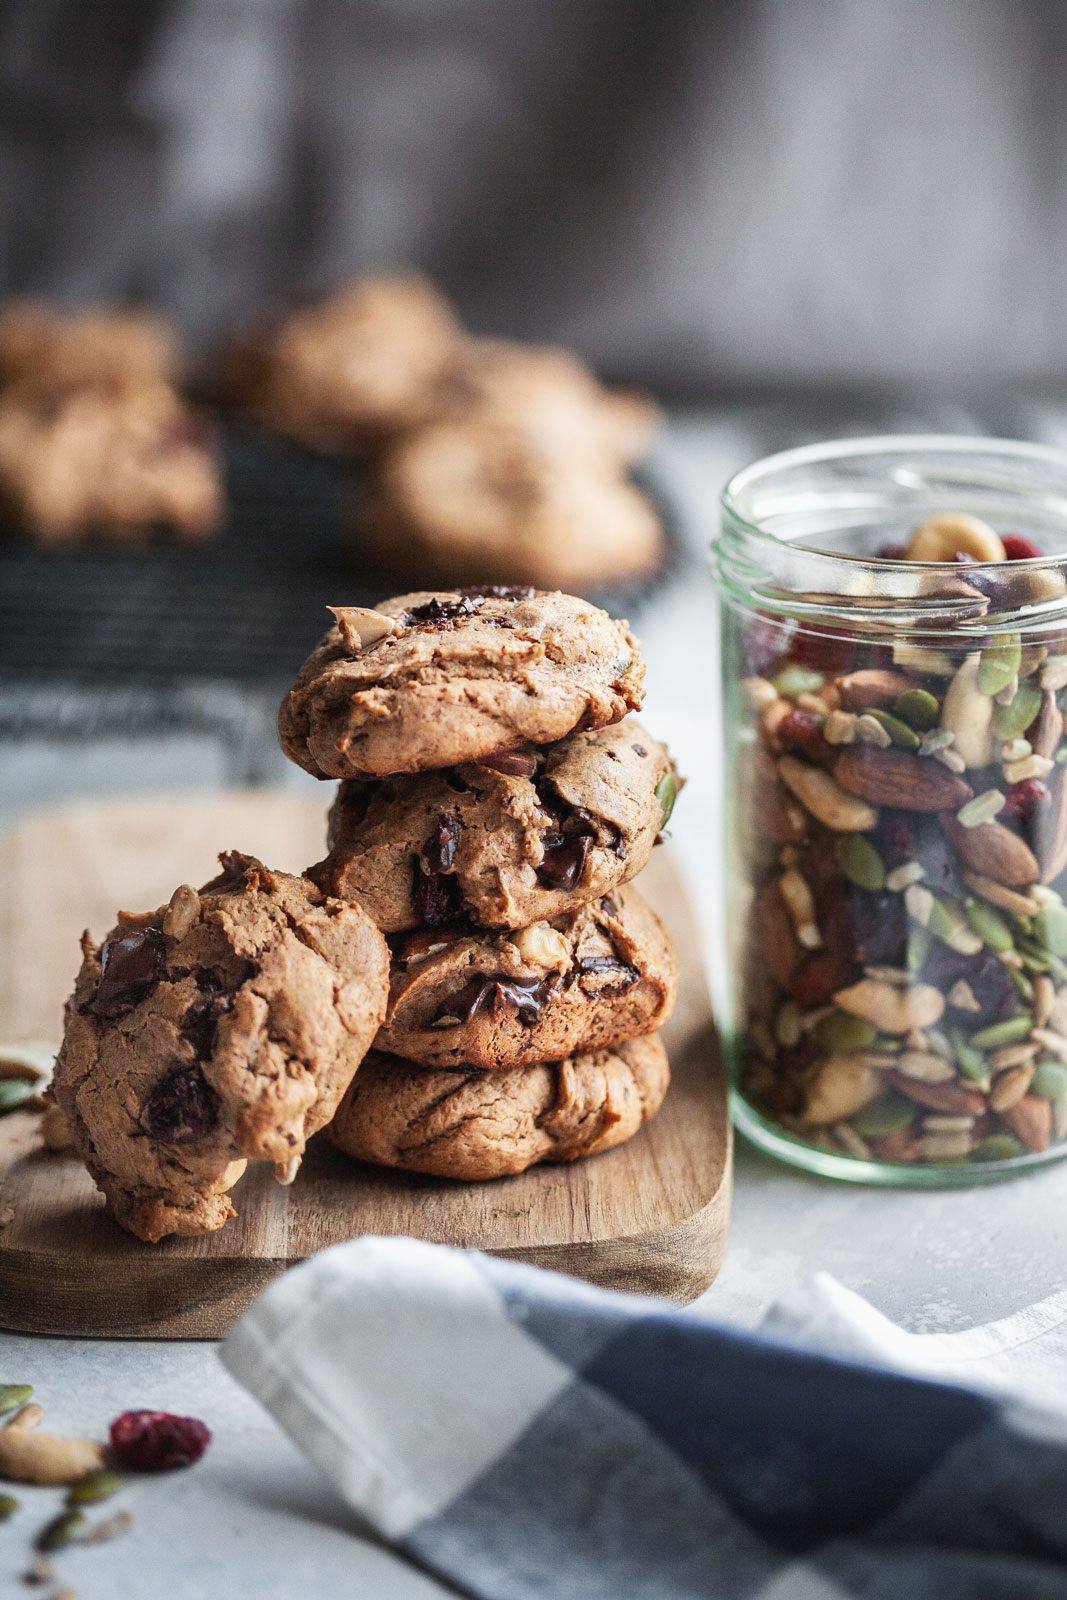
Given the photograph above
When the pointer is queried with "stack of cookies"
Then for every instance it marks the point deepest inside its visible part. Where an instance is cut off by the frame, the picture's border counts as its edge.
(471, 942)
(493, 809)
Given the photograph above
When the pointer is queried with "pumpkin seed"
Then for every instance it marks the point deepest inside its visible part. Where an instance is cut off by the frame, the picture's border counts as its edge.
(1049, 1080)
(13, 1395)
(95, 1486)
(990, 928)
(918, 947)
(62, 1530)
(1050, 928)
(843, 1035)
(888, 1114)
(900, 734)
(667, 794)
(860, 861)
(920, 710)
(998, 1147)
(8, 1506)
(1011, 721)
(971, 1062)
(1023, 987)
(1013, 1031)
(797, 680)
(15, 1092)
(999, 664)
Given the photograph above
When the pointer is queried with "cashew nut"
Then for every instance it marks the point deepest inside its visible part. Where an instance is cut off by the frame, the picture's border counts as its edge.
(967, 713)
(953, 533)
(844, 1085)
(360, 628)
(28, 1457)
(892, 1010)
(825, 799)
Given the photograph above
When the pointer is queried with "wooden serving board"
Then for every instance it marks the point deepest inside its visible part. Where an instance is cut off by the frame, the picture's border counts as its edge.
(650, 1216)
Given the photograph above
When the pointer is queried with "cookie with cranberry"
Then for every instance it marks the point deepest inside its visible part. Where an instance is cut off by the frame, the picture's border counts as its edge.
(516, 840)
(601, 973)
(455, 501)
(431, 680)
(341, 372)
(92, 345)
(223, 1028)
(471, 1125)
(111, 463)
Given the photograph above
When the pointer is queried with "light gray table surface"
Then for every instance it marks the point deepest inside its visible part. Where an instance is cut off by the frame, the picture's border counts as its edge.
(254, 1518)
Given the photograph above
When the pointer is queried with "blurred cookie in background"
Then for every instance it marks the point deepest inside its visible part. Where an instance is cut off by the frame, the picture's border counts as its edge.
(94, 344)
(546, 390)
(471, 501)
(344, 372)
(94, 462)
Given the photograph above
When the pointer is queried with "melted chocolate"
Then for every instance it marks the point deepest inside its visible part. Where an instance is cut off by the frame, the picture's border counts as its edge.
(606, 975)
(564, 860)
(440, 614)
(129, 967)
(527, 996)
(512, 763)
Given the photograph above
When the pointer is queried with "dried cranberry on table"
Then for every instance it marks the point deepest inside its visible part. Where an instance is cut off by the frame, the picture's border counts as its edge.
(1016, 548)
(157, 1441)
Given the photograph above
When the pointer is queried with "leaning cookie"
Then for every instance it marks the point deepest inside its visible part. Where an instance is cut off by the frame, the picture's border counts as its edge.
(104, 345)
(432, 680)
(222, 1028)
(471, 1125)
(455, 501)
(503, 844)
(600, 974)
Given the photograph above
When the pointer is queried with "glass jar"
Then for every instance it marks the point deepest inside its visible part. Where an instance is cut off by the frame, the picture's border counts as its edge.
(897, 808)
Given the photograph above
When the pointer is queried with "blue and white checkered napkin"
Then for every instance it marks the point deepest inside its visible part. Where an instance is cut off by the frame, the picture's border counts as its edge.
(523, 1434)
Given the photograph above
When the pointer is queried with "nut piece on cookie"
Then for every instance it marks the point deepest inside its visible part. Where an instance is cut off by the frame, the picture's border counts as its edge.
(505, 845)
(467, 674)
(223, 1028)
(340, 373)
(455, 500)
(496, 1000)
(472, 1125)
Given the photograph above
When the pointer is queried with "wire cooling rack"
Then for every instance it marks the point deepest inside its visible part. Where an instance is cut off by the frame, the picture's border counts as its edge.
(244, 608)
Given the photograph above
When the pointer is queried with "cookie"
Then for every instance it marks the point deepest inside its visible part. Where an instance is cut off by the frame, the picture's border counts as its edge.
(224, 1027)
(340, 373)
(432, 680)
(503, 845)
(601, 973)
(548, 392)
(119, 464)
(95, 345)
(471, 1125)
(463, 501)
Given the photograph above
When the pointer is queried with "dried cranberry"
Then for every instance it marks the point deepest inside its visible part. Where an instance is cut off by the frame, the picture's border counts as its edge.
(941, 864)
(879, 926)
(986, 977)
(817, 980)
(1023, 799)
(435, 898)
(202, 1019)
(891, 552)
(440, 849)
(1016, 548)
(129, 966)
(997, 590)
(896, 834)
(797, 1057)
(156, 1441)
(802, 730)
(823, 651)
(181, 1107)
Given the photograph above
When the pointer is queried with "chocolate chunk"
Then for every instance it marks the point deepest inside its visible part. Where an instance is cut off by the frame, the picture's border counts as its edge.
(512, 763)
(129, 966)
(608, 906)
(439, 852)
(528, 996)
(639, 750)
(181, 1107)
(436, 898)
(564, 860)
(606, 975)
(499, 591)
(202, 1019)
(436, 612)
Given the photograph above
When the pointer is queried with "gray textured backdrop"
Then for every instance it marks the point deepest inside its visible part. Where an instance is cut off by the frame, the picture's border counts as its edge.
(694, 192)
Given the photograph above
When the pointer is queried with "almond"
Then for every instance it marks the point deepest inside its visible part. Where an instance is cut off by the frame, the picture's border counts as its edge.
(874, 686)
(1030, 1120)
(898, 1146)
(778, 939)
(897, 778)
(769, 807)
(993, 851)
(360, 628)
(950, 1097)
(1047, 730)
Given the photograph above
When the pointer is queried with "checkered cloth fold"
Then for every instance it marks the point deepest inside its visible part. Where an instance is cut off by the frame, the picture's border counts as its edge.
(523, 1434)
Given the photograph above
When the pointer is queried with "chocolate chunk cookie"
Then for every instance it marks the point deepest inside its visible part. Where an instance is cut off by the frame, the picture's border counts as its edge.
(459, 501)
(472, 1125)
(360, 363)
(222, 1028)
(545, 391)
(432, 680)
(95, 345)
(504, 844)
(116, 463)
(599, 974)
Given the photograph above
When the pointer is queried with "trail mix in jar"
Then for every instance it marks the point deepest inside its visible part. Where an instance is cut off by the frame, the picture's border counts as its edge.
(904, 828)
